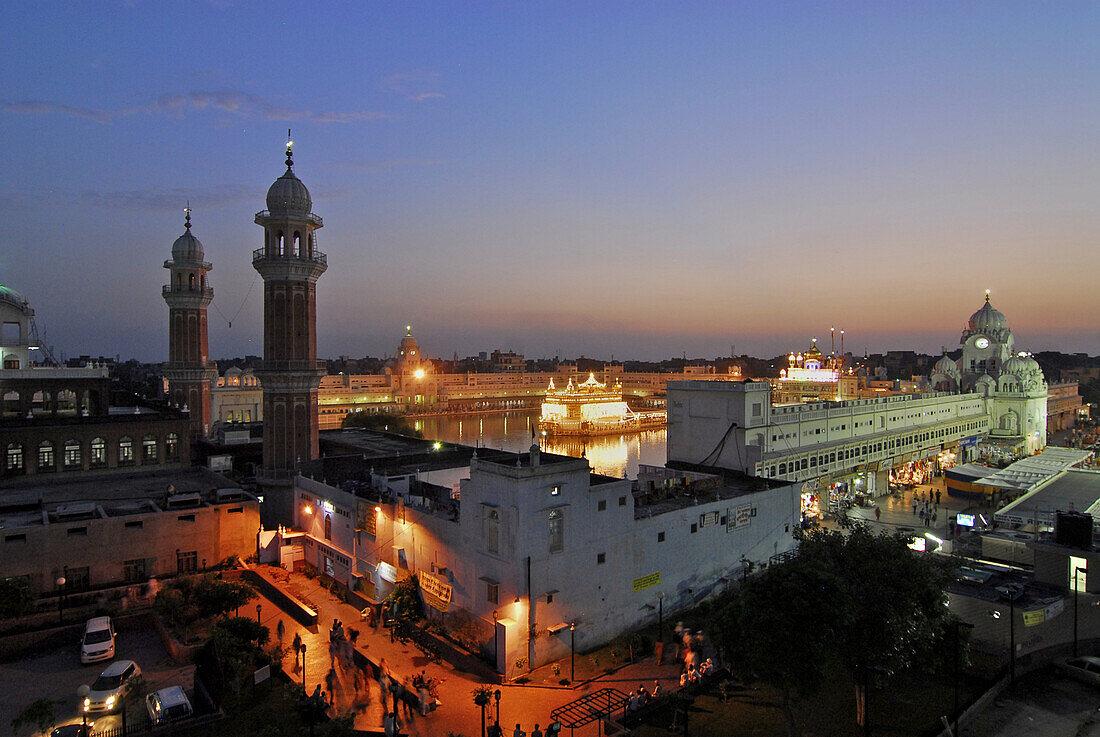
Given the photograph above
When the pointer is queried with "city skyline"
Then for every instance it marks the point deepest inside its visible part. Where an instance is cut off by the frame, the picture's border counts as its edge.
(637, 181)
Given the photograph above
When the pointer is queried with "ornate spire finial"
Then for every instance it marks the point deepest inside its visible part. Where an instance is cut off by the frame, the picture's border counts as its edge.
(987, 296)
(289, 150)
(187, 217)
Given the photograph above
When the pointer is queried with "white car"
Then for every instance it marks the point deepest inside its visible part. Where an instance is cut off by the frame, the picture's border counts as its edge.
(167, 705)
(98, 642)
(111, 686)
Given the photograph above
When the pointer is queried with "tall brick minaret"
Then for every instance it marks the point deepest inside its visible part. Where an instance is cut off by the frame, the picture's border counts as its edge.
(290, 265)
(189, 370)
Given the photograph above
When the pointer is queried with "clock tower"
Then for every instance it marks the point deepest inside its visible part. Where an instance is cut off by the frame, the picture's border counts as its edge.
(987, 344)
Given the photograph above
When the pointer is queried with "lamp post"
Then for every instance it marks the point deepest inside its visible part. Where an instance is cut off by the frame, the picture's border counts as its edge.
(572, 651)
(259, 607)
(481, 699)
(958, 644)
(1076, 570)
(661, 616)
(303, 666)
(61, 599)
(496, 695)
(996, 614)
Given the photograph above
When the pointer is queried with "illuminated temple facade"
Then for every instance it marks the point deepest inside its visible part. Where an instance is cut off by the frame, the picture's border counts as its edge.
(812, 377)
(993, 399)
(591, 408)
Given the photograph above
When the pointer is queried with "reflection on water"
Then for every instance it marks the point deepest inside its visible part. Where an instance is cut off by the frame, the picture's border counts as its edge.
(611, 455)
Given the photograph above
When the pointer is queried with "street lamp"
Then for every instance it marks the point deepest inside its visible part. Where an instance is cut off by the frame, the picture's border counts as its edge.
(303, 666)
(496, 695)
(661, 616)
(481, 699)
(258, 608)
(572, 651)
(958, 644)
(996, 614)
(61, 599)
(1076, 570)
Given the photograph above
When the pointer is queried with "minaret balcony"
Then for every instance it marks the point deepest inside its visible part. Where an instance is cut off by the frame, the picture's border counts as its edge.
(262, 254)
(264, 215)
(204, 292)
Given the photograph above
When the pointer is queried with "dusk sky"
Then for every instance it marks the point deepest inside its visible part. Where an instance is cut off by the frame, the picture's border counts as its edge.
(602, 178)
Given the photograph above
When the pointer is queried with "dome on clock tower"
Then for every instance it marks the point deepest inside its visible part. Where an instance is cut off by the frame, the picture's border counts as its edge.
(987, 319)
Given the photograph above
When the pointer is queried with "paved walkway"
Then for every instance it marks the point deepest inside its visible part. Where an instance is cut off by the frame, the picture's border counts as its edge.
(527, 704)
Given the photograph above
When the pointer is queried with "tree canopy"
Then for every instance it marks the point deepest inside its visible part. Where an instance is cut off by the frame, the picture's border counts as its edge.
(855, 598)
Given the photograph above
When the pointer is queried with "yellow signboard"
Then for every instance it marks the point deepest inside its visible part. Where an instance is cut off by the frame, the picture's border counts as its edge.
(437, 594)
(1035, 617)
(653, 579)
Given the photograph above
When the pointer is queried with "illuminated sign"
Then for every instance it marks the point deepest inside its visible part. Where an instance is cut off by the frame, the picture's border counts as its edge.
(964, 520)
(388, 572)
(645, 582)
(327, 506)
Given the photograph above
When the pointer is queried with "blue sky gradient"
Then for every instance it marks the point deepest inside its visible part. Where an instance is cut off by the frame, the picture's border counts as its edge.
(636, 179)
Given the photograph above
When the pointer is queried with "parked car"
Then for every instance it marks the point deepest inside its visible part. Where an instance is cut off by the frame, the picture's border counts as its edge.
(110, 688)
(1085, 668)
(168, 705)
(76, 729)
(98, 642)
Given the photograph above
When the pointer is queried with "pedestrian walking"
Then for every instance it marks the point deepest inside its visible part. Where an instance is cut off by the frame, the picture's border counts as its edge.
(297, 648)
(536, 732)
(914, 505)
(937, 496)
(878, 514)
(922, 515)
(280, 631)
(518, 732)
(330, 681)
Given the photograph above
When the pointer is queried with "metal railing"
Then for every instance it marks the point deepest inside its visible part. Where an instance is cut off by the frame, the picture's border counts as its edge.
(311, 217)
(262, 254)
(204, 291)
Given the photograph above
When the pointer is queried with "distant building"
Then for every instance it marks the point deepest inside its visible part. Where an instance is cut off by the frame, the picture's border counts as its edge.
(992, 400)
(507, 363)
(57, 419)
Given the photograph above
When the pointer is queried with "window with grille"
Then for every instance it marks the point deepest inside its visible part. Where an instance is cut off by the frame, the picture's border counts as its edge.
(557, 530)
(14, 461)
(187, 562)
(172, 447)
(125, 451)
(149, 449)
(99, 452)
(71, 459)
(45, 456)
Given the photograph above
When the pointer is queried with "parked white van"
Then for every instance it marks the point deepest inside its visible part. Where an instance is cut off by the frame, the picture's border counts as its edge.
(98, 642)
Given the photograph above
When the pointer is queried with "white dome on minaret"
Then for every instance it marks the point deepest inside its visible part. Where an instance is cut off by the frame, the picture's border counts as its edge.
(187, 247)
(288, 194)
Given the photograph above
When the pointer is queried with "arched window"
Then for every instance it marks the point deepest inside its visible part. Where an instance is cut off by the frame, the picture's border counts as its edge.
(191, 282)
(148, 449)
(298, 244)
(71, 457)
(46, 459)
(14, 462)
(279, 243)
(99, 452)
(782, 469)
(11, 362)
(172, 447)
(125, 451)
(328, 526)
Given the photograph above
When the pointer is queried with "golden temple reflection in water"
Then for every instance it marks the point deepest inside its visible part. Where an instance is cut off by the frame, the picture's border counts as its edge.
(610, 455)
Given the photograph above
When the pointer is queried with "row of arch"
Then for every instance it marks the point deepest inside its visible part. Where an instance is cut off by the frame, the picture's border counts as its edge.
(279, 244)
(70, 455)
(193, 284)
(20, 402)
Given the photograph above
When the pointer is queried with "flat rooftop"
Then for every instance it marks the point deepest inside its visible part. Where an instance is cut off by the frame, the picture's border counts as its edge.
(1074, 490)
(116, 487)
